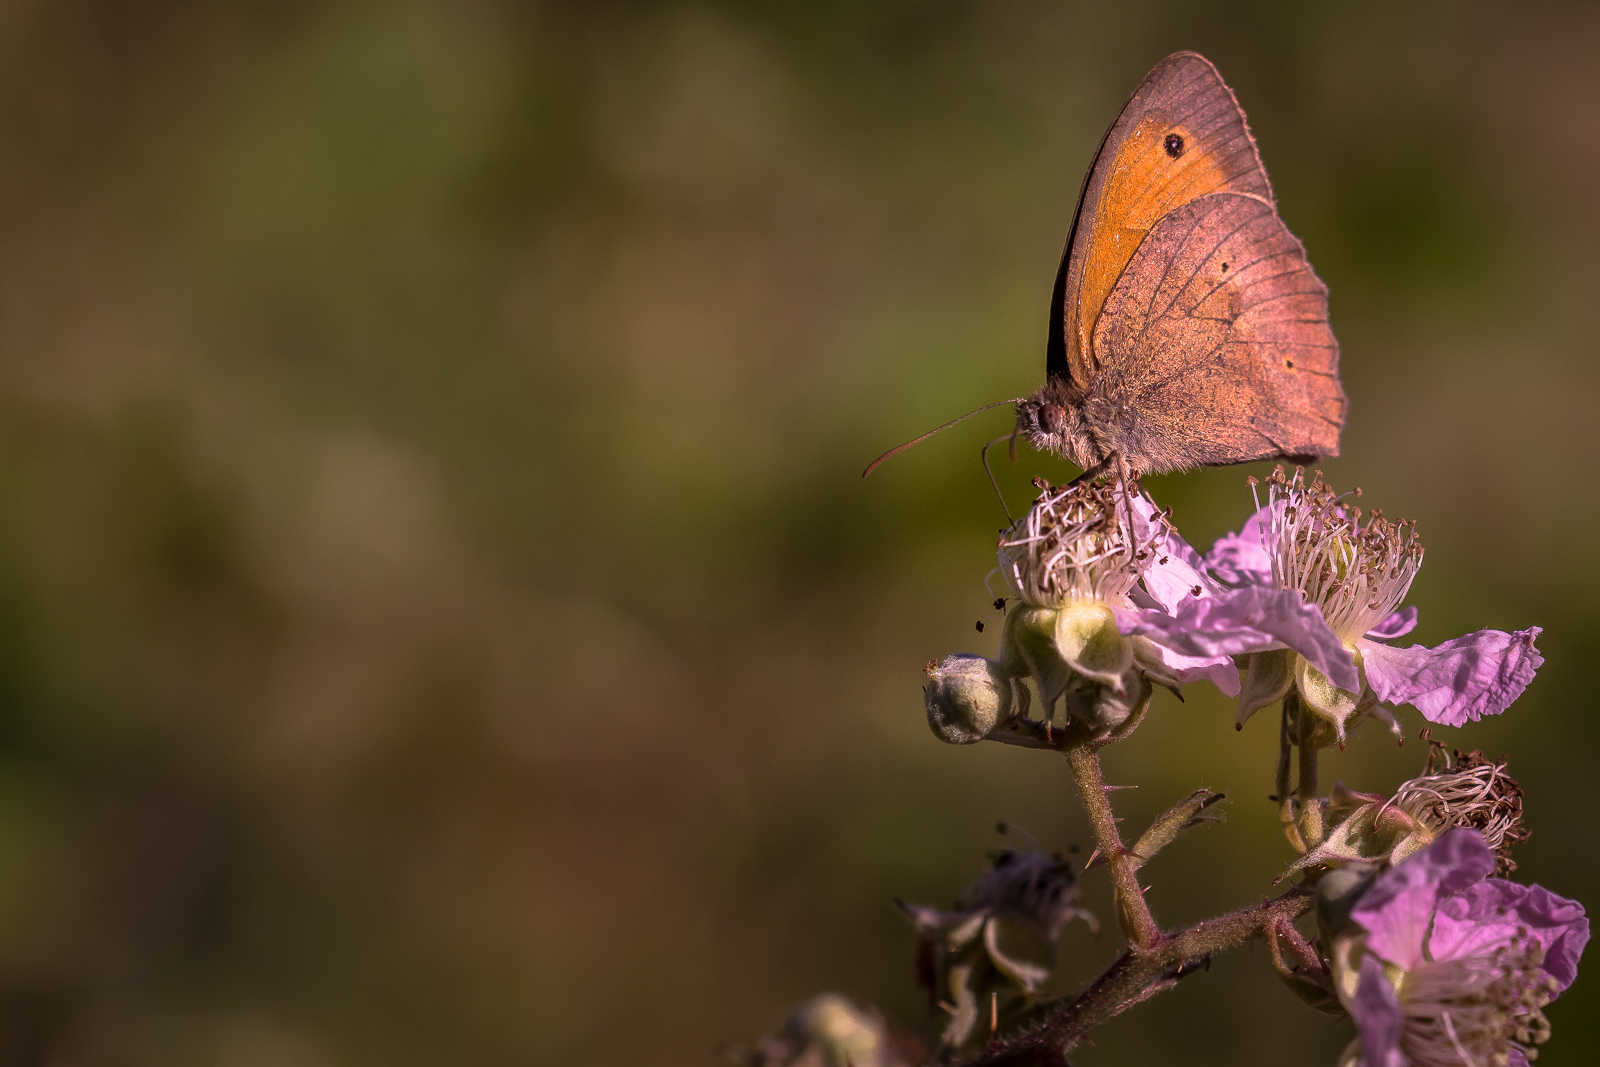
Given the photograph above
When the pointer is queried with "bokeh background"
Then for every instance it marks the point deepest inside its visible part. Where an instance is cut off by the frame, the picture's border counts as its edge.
(441, 621)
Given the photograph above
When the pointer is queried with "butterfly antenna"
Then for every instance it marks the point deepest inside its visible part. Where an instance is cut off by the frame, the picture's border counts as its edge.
(901, 448)
(990, 470)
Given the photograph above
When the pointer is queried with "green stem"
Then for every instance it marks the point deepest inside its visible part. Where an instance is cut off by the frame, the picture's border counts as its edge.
(1134, 914)
(1310, 815)
(1286, 804)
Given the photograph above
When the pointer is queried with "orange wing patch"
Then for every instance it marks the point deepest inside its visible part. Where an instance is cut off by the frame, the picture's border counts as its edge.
(1159, 167)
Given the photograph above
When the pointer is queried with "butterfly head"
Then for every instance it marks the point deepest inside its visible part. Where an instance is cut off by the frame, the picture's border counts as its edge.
(1052, 420)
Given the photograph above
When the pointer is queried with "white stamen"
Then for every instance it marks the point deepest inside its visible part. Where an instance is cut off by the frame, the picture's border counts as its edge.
(1356, 574)
(1072, 544)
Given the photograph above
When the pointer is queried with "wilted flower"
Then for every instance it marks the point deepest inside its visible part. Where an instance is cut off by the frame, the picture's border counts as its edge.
(1468, 791)
(1000, 938)
(1355, 574)
(1442, 966)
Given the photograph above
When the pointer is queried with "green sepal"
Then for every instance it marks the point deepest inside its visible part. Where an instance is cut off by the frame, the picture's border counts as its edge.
(1267, 678)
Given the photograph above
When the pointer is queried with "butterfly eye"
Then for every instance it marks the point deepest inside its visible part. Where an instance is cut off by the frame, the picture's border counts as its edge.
(1052, 418)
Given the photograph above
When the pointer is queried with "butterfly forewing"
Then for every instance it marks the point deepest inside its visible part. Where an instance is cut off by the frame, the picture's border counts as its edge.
(1215, 346)
(1181, 136)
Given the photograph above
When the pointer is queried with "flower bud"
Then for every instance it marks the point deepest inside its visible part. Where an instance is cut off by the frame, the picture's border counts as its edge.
(966, 696)
(829, 1030)
(1337, 893)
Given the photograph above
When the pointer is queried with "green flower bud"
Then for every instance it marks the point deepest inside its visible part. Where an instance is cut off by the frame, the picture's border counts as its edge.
(966, 696)
(1337, 894)
(828, 1030)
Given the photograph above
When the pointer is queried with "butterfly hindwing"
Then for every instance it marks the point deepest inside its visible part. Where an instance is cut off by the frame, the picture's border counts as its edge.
(1215, 346)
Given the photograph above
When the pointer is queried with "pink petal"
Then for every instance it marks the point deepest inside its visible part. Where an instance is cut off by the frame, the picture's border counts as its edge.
(1397, 910)
(1175, 571)
(1461, 680)
(1219, 670)
(1399, 624)
(1490, 914)
(1253, 619)
(1376, 1010)
(1241, 558)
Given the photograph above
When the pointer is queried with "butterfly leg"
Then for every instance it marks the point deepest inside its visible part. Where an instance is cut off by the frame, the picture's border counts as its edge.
(984, 455)
(1095, 471)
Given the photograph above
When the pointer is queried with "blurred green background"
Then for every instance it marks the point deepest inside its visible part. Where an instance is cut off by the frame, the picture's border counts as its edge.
(441, 621)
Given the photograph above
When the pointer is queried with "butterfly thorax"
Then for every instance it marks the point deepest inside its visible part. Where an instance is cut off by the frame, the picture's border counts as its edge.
(1087, 426)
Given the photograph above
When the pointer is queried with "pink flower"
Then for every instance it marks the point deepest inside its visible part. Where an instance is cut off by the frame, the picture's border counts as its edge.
(1447, 966)
(1353, 575)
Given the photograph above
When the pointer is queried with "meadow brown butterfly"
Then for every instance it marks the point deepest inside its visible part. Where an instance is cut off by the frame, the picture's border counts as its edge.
(1187, 328)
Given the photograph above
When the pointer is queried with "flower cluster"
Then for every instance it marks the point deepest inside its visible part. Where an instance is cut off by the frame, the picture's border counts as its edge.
(1108, 601)
(1108, 597)
(1437, 962)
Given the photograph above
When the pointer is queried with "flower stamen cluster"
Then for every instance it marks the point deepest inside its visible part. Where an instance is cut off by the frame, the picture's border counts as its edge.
(1071, 545)
(1474, 1009)
(1356, 573)
(1473, 792)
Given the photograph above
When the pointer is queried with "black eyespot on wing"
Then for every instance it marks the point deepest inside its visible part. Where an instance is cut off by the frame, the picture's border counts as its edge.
(1174, 145)
(1289, 363)
(1224, 268)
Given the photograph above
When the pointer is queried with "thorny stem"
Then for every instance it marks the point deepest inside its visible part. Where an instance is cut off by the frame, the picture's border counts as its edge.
(1133, 973)
(1138, 923)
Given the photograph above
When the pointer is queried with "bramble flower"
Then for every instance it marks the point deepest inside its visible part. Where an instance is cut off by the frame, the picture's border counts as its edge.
(1100, 614)
(999, 939)
(1069, 564)
(1443, 966)
(1355, 574)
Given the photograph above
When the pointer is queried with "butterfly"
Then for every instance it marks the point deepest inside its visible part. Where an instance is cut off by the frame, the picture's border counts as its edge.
(1187, 328)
